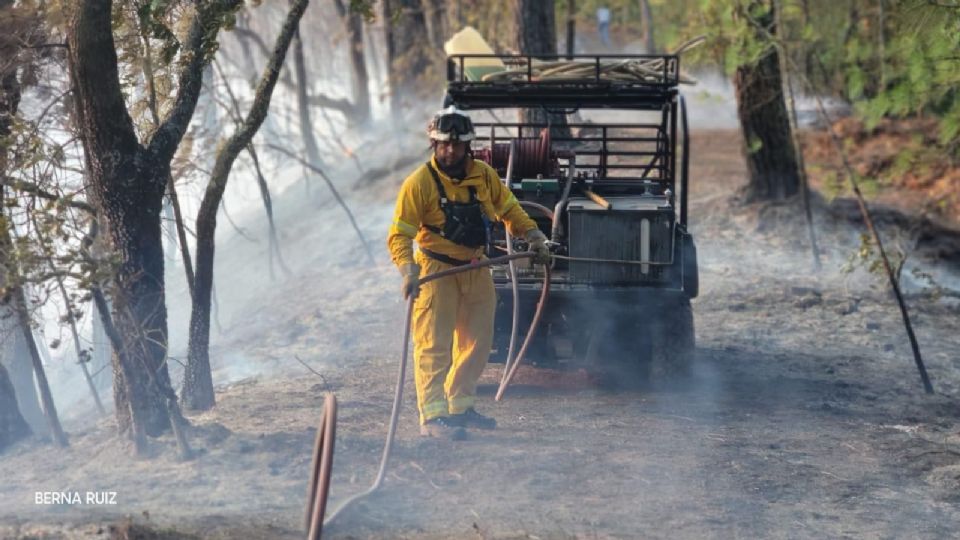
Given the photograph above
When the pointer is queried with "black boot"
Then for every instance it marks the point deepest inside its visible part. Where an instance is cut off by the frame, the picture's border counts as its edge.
(470, 418)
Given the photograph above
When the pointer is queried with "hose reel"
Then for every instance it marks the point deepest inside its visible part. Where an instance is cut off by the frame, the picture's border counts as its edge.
(534, 156)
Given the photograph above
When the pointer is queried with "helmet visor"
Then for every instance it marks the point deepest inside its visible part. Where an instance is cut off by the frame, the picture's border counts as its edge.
(454, 124)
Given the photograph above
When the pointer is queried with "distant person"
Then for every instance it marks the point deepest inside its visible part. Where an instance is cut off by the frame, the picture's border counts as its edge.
(603, 25)
(444, 206)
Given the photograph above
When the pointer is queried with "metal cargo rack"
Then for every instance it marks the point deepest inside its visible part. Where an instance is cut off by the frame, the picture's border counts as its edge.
(636, 81)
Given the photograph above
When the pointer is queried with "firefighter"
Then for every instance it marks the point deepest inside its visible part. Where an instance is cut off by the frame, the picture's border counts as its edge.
(446, 206)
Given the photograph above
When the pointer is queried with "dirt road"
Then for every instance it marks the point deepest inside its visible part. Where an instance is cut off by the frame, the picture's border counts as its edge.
(805, 417)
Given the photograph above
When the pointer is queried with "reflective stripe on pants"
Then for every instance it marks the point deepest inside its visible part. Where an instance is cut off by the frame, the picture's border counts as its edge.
(452, 336)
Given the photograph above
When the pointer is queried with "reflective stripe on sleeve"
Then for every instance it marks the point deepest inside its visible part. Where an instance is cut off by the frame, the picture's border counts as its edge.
(405, 228)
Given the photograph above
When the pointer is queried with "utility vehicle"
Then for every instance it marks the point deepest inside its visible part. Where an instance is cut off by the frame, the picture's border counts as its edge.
(611, 196)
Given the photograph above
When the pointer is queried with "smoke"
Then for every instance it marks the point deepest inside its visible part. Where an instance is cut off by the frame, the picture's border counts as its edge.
(342, 318)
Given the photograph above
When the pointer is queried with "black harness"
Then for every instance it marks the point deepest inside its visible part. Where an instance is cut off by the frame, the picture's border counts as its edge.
(464, 223)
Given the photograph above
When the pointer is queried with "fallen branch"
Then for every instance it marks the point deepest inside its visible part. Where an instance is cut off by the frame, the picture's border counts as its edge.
(315, 372)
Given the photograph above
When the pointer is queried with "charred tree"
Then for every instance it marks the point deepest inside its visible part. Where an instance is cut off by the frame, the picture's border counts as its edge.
(436, 22)
(571, 28)
(764, 121)
(274, 247)
(537, 36)
(46, 397)
(12, 425)
(16, 360)
(303, 103)
(17, 30)
(127, 180)
(646, 28)
(14, 298)
(408, 56)
(198, 382)
(358, 66)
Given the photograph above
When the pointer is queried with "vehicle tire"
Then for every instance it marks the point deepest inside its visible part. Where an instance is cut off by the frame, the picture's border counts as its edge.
(691, 272)
(674, 342)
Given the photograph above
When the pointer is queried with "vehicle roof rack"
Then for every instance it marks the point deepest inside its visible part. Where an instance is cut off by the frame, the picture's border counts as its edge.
(626, 81)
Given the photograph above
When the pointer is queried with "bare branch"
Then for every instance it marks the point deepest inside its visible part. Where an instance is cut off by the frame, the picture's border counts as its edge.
(166, 138)
(342, 105)
(245, 33)
(34, 189)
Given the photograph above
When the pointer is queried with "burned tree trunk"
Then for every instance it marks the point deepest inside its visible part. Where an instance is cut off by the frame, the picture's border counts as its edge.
(571, 28)
(646, 25)
(537, 36)
(303, 103)
(12, 426)
(15, 359)
(198, 382)
(408, 58)
(11, 280)
(358, 65)
(436, 22)
(127, 180)
(46, 397)
(768, 147)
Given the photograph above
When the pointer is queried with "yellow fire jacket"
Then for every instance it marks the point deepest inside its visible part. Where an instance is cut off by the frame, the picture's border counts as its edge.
(418, 204)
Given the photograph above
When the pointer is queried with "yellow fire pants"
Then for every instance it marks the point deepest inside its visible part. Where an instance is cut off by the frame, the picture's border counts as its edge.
(452, 336)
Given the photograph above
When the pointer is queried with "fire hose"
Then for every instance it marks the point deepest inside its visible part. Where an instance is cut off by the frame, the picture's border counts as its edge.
(323, 453)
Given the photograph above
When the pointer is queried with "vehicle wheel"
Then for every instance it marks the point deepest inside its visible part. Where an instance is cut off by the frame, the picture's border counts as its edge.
(691, 272)
(674, 344)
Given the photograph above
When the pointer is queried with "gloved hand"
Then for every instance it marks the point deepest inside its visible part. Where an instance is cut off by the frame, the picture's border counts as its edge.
(411, 273)
(537, 242)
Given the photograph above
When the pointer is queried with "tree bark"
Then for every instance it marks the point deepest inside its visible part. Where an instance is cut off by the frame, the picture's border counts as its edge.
(16, 360)
(198, 381)
(14, 297)
(436, 22)
(646, 26)
(764, 121)
(358, 66)
(12, 425)
(407, 52)
(46, 398)
(127, 181)
(537, 36)
(303, 104)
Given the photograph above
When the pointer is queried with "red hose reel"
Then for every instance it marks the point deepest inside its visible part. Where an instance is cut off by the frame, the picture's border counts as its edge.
(534, 156)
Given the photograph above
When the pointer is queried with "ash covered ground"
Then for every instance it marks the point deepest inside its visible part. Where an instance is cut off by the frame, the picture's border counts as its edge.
(805, 417)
